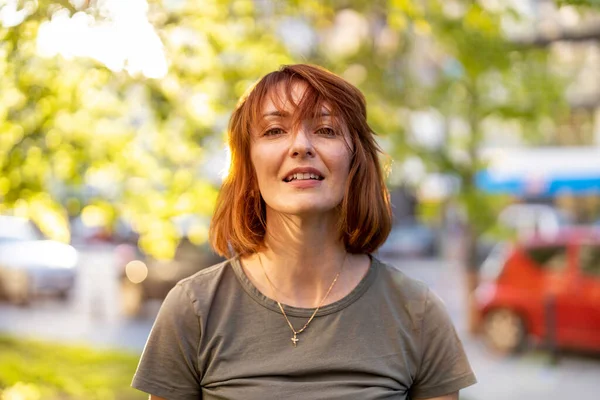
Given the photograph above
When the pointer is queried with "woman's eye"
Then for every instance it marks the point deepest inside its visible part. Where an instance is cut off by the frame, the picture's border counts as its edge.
(326, 131)
(274, 132)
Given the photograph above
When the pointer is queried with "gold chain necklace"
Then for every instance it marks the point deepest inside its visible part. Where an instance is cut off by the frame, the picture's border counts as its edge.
(295, 339)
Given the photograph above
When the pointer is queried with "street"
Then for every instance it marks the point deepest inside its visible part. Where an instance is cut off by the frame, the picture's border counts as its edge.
(92, 317)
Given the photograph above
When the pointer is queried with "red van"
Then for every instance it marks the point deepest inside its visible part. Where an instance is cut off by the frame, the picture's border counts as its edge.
(546, 290)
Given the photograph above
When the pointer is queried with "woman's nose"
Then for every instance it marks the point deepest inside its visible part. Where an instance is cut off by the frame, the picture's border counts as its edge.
(301, 145)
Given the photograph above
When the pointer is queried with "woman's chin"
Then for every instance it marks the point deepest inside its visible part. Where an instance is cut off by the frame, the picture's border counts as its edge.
(305, 209)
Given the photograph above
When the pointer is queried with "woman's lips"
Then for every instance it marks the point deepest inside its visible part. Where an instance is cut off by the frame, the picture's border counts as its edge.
(304, 183)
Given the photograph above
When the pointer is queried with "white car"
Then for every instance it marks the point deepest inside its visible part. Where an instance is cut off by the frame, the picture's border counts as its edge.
(31, 265)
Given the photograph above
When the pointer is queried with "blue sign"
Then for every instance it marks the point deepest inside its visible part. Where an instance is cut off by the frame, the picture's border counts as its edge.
(537, 185)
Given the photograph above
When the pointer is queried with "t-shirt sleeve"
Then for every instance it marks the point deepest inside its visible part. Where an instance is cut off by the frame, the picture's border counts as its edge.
(444, 365)
(168, 367)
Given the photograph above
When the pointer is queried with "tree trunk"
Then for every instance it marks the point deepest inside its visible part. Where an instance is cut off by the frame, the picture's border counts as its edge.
(471, 268)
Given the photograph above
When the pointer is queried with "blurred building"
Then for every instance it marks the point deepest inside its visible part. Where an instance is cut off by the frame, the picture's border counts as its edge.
(565, 172)
(561, 166)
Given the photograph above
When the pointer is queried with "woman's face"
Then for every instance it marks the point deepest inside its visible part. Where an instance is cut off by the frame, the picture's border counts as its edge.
(300, 170)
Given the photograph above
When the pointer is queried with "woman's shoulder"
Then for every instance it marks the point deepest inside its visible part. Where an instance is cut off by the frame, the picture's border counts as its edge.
(207, 274)
(205, 282)
(400, 281)
(416, 296)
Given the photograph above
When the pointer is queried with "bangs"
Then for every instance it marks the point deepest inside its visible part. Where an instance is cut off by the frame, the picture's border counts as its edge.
(279, 87)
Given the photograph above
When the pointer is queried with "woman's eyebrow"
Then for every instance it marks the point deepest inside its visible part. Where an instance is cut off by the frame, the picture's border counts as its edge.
(276, 113)
(285, 114)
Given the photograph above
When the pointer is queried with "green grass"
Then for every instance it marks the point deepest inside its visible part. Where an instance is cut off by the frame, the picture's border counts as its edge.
(32, 370)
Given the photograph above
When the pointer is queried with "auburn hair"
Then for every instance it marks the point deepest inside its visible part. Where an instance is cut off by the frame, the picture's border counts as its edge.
(238, 225)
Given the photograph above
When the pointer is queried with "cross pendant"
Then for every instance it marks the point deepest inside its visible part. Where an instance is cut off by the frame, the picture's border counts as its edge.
(294, 340)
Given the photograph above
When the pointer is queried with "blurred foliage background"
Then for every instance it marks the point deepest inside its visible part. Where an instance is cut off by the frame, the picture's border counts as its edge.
(115, 111)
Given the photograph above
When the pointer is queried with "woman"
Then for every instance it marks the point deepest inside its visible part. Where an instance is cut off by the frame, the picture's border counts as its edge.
(302, 310)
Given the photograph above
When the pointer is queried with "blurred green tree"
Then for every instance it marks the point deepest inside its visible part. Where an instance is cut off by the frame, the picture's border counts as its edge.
(86, 132)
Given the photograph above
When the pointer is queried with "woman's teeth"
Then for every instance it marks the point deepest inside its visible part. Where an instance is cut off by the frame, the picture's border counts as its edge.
(302, 176)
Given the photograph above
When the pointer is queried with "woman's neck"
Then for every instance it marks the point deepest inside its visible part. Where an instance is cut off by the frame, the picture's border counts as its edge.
(301, 257)
(305, 245)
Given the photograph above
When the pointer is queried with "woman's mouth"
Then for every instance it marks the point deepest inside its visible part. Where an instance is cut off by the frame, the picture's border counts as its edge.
(303, 177)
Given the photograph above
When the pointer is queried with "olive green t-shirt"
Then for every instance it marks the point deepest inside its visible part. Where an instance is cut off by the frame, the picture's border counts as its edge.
(218, 337)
